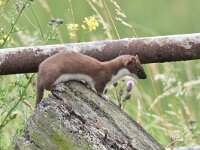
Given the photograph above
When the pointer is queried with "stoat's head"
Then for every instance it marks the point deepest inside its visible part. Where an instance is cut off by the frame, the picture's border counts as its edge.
(132, 63)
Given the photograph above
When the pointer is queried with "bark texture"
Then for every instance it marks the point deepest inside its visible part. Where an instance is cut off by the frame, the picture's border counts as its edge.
(75, 118)
(149, 50)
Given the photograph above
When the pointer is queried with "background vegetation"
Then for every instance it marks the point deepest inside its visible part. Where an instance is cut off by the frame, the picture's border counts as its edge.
(167, 104)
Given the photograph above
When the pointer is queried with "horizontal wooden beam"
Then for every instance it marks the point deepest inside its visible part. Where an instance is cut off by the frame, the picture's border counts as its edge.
(149, 49)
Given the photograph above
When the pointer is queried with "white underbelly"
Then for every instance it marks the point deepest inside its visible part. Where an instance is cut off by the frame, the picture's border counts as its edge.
(77, 77)
(121, 73)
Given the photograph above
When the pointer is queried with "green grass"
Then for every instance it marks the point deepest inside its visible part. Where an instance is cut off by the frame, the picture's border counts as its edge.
(167, 104)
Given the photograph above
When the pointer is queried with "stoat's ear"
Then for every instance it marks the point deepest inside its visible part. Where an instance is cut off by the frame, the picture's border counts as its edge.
(131, 61)
(137, 59)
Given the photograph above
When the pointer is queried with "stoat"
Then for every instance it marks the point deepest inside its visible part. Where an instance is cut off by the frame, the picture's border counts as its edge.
(65, 66)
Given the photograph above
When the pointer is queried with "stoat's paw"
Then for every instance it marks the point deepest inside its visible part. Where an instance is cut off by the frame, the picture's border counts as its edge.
(104, 97)
(89, 86)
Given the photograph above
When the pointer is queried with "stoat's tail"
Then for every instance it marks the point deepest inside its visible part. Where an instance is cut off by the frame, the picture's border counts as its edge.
(40, 92)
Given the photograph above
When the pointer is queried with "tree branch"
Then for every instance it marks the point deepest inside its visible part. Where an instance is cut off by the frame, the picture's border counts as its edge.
(150, 50)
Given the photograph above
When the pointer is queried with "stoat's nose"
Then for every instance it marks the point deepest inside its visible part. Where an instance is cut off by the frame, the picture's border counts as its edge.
(144, 76)
(141, 74)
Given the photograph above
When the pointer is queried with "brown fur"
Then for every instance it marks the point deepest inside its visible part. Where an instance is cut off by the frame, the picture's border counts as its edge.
(73, 63)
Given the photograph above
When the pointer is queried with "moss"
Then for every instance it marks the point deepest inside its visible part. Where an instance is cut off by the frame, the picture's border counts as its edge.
(55, 135)
(64, 142)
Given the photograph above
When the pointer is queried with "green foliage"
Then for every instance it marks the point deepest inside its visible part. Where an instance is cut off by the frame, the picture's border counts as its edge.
(167, 104)
(13, 92)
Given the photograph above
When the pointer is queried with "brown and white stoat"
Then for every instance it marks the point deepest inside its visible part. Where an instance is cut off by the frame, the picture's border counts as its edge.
(65, 66)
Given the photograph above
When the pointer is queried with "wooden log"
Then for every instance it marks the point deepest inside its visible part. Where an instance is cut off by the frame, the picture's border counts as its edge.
(74, 118)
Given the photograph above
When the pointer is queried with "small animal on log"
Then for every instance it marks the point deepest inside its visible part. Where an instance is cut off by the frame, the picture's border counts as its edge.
(65, 66)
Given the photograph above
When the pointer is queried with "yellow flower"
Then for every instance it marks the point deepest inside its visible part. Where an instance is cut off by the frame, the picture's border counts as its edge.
(72, 26)
(83, 26)
(72, 35)
(1, 41)
(1, 2)
(91, 23)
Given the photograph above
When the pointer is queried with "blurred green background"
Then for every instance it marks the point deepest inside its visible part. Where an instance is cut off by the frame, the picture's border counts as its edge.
(174, 120)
